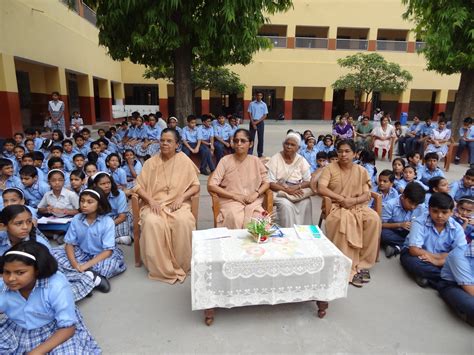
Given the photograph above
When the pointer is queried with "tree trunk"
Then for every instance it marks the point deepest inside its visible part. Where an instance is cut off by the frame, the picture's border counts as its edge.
(464, 105)
(183, 87)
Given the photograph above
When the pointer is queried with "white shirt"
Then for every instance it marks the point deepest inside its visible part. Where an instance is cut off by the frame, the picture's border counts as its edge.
(66, 200)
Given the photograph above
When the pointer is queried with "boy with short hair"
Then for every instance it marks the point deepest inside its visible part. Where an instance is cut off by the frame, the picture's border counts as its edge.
(95, 147)
(332, 156)
(206, 138)
(86, 134)
(29, 159)
(18, 137)
(8, 147)
(79, 160)
(192, 145)
(57, 152)
(432, 236)
(30, 133)
(33, 188)
(385, 186)
(68, 150)
(222, 136)
(398, 215)
(309, 153)
(466, 140)
(7, 177)
(463, 187)
(81, 146)
(409, 143)
(430, 169)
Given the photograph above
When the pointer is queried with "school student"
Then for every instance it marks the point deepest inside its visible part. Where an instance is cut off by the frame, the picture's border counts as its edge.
(430, 169)
(8, 147)
(30, 133)
(57, 152)
(15, 196)
(367, 160)
(222, 135)
(309, 153)
(436, 184)
(398, 164)
(438, 141)
(398, 215)
(385, 187)
(119, 208)
(41, 316)
(192, 145)
(466, 140)
(463, 214)
(76, 179)
(59, 201)
(332, 156)
(432, 236)
(56, 112)
(33, 188)
(206, 138)
(414, 160)
(113, 163)
(463, 187)
(90, 241)
(326, 144)
(409, 175)
(81, 147)
(132, 167)
(7, 177)
(78, 160)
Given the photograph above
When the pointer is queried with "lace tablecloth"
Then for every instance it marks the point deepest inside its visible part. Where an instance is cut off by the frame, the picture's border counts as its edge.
(233, 272)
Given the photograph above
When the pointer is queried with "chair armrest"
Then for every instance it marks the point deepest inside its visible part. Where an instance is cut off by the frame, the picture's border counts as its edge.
(326, 205)
(136, 228)
(377, 202)
(195, 207)
(268, 201)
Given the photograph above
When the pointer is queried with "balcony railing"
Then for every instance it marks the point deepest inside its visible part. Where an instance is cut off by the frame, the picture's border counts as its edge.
(397, 46)
(419, 46)
(352, 44)
(71, 5)
(278, 42)
(311, 42)
(89, 14)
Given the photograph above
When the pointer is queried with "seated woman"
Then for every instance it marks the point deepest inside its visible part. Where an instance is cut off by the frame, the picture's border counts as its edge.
(363, 133)
(240, 180)
(382, 136)
(289, 175)
(351, 225)
(342, 129)
(166, 184)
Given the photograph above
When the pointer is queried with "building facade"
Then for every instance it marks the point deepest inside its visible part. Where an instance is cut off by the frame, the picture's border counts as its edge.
(45, 47)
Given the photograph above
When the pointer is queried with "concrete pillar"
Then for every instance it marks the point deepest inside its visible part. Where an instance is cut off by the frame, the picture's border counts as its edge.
(372, 37)
(288, 103)
(332, 35)
(247, 100)
(290, 36)
(55, 79)
(105, 100)
(403, 104)
(85, 86)
(205, 97)
(119, 93)
(9, 98)
(327, 103)
(163, 99)
(411, 42)
(441, 101)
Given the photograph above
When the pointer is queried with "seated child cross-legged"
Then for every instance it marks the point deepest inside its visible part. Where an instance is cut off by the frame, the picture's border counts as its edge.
(385, 187)
(432, 236)
(397, 217)
(464, 186)
(463, 214)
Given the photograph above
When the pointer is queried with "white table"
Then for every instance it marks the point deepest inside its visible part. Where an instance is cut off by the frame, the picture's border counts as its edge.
(234, 272)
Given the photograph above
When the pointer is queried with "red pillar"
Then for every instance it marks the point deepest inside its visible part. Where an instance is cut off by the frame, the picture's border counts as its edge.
(327, 110)
(204, 106)
(106, 109)
(67, 113)
(288, 110)
(87, 109)
(10, 114)
(437, 109)
(246, 107)
(371, 45)
(164, 108)
(401, 107)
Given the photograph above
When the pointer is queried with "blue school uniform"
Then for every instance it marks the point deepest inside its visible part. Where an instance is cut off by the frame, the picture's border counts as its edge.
(321, 147)
(119, 175)
(190, 135)
(233, 129)
(468, 232)
(121, 133)
(372, 172)
(402, 183)
(426, 130)
(8, 155)
(13, 181)
(38, 143)
(458, 190)
(5, 241)
(426, 174)
(393, 212)
(310, 156)
(84, 150)
(153, 133)
(204, 133)
(35, 192)
(119, 205)
(180, 131)
(137, 166)
(459, 267)
(390, 195)
(222, 131)
(30, 322)
(68, 156)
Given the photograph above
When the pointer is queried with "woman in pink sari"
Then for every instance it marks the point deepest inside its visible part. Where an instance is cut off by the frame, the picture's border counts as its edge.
(240, 180)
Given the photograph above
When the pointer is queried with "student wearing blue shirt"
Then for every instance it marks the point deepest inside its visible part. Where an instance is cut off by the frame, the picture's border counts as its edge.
(131, 166)
(151, 144)
(33, 188)
(234, 124)
(68, 151)
(432, 236)
(206, 139)
(408, 143)
(7, 179)
(86, 134)
(409, 175)
(457, 285)
(397, 217)
(466, 140)
(426, 130)
(463, 214)
(222, 135)
(90, 240)
(309, 153)
(30, 133)
(325, 145)
(385, 187)
(193, 145)
(80, 147)
(173, 123)
(8, 147)
(463, 187)
(430, 169)
(367, 160)
(57, 152)
(119, 175)
(59, 329)
(258, 112)
(436, 184)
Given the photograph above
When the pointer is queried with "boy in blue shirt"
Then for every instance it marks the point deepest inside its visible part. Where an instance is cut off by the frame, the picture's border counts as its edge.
(408, 143)
(192, 145)
(33, 188)
(81, 147)
(463, 187)
(7, 179)
(397, 217)
(385, 187)
(430, 169)
(8, 147)
(432, 236)
(463, 214)
(425, 131)
(206, 139)
(309, 153)
(222, 136)
(466, 140)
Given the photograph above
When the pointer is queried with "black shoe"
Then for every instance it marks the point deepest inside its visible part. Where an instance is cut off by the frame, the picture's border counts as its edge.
(204, 172)
(89, 295)
(421, 281)
(390, 251)
(104, 285)
(456, 160)
(365, 275)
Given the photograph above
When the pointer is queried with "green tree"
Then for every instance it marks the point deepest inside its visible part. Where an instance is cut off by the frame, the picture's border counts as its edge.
(369, 73)
(447, 28)
(178, 33)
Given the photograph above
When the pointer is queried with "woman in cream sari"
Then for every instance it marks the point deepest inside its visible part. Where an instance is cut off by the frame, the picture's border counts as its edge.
(240, 180)
(289, 175)
(351, 225)
(166, 183)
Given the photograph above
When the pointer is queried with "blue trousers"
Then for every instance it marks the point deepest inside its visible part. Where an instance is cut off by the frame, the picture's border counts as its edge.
(458, 299)
(469, 145)
(260, 131)
(419, 268)
(219, 150)
(393, 237)
(412, 144)
(204, 154)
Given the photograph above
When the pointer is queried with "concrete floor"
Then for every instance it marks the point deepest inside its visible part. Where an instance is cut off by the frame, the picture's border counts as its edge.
(390, 315)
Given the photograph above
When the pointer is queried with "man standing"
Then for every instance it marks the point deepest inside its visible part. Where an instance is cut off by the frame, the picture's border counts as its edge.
(258, 111)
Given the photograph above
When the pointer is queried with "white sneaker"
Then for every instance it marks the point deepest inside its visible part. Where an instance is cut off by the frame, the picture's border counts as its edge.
(126, 240)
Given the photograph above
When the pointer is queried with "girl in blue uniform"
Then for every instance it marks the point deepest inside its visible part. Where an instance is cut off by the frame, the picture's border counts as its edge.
(90, 241)
(113, 164)
(132, 167)
(38, 303)
(120, 213)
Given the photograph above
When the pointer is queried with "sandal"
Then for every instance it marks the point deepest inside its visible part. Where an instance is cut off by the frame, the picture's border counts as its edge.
(365, 275)
(357, 281)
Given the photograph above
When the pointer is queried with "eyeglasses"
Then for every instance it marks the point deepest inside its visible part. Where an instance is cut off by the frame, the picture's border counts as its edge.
(237, 141)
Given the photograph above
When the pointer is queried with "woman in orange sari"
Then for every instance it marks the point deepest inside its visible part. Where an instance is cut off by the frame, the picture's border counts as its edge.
(240, 180)
(350, 224)
(166, 183)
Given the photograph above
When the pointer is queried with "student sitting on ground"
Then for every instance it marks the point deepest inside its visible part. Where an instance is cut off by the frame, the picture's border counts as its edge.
(367, 160)
(463, 214)
(436, 184)
(463, 187)
(409, 175)
(398, 164)
(309, 153)
(430, 169)
(33, 188)
(398, 215)
(132, 167)
(7, 179)
(385, 187)
(414, 160)
(333, 157)
(432, 236)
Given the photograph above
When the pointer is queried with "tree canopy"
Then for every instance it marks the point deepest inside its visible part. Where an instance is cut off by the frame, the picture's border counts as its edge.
(369, 73)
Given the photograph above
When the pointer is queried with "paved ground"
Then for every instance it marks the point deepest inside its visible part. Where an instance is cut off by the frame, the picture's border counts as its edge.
(389, 315)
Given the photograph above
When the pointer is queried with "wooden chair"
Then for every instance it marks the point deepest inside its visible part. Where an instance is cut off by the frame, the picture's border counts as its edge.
(267, 204)
(136, 204)
(327, 204)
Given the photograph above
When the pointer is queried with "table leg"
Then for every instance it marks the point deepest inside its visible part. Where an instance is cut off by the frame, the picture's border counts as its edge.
(322, 306)
(209, 316)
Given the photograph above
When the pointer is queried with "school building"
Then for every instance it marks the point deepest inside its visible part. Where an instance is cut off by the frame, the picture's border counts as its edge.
(45, 47)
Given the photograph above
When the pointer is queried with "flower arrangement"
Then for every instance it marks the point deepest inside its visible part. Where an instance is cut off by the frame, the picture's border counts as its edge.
(261, 227)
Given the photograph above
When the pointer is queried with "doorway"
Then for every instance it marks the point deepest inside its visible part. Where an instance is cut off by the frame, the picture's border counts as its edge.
(269, 97)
